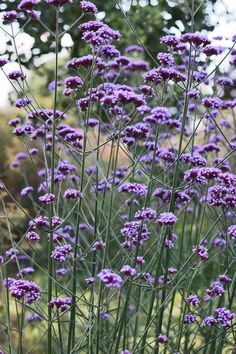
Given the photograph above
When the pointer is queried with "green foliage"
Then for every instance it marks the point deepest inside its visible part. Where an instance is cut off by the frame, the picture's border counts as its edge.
(150, 22)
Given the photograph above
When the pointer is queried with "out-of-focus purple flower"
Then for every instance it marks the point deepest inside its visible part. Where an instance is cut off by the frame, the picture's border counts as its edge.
(216, 289)
(34, 318)
(162, 339)
(47, 198)
(14, 122)
(62, 271)
(134, 48)
(89, 280)
(16, 74)
(110, 279)
(72, 194)
(25, 191)
(225, 81)
(59, 2)
(232, 232)
(212, 102)
(201, 252)
(128, 271)
(33, 151)
(21, 156)
(98, 245)
(27, 4)
(125, 351)
(10, 16)
(224, 279)
(32, 236)
(189, 318)
(140, 260)
(3, 62)
(22, 102)
(105, 316)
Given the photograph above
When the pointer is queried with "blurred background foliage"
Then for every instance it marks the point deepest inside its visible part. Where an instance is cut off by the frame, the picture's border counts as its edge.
(150, 18)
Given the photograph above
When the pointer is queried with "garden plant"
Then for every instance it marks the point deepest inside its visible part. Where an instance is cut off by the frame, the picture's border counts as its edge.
(127, 243)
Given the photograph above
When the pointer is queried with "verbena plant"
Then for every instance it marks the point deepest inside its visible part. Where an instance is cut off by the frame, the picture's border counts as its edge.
(129, 241)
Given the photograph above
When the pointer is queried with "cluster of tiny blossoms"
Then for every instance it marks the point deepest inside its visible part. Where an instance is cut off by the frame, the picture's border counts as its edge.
(134, 194)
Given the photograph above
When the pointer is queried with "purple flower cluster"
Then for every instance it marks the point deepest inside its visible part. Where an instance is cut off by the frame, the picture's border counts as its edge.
(25, 288)
(60, 253)
(110, 279)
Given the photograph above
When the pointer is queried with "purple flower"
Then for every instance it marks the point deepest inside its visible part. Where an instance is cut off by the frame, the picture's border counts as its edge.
(125, 351)
(32, 236)
(47, 198)
(225, 81)
(16, 74)
(166, 219)
(134, 48)
(110, 279)
(224, 278)
(98, 33)
(87, 6)
(212, 102)
(14, 122)
(72, 194)
(166, 59)
(232, 232)
(10, 16)
(60, 303)
(72, 83)
(34, 317)
(60, 253)
(98, 245)
(25, 191)
(224, 316)
(128, 271)
(216, 289)
(25, 271)
(201, 252)
(89, 280)
(27, 4)
(145, 214)
(195, 38)
(134, 188)
(136, 232)
(22, 102)
(162, 339)
(59, 2)
(21, 288)
(3, 62)
(140, 260)
(21, 156)
(209, 321)
(189, 318)
(193, 300)
(62, 271)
